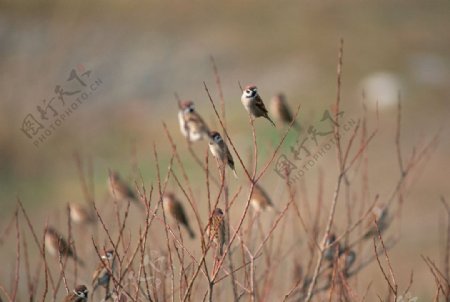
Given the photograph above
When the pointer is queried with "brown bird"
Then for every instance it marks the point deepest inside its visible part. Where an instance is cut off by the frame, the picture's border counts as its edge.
(80, 214)
(174, 207)
(259, 200)
(56, 245)
(79, 294)
(216, 229)
(192, 126)
(120, 190)
(334, 251)
(381, 214)
(280, 109)
(253, 103)
(350, 258)
(102, 275)
(220, 150)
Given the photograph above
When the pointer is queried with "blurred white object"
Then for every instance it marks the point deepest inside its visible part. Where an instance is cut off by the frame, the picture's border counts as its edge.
(430, 69)
(382, 87)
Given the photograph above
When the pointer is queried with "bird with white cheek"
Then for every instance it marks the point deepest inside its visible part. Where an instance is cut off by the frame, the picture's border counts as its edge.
(192, 126)
(220, 150)
(253, 103)
(79, 294)
(102, 274)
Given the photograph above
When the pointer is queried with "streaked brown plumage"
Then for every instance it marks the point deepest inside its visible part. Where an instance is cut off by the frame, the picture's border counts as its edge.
(56, 244)
(260, 200)
(80, 214)
(120, 190)
(216, 229)
(174, 207)
(254, 104)
(192, 126)
(79, 294)
(102, 276)
(279, 108)
(220, 150)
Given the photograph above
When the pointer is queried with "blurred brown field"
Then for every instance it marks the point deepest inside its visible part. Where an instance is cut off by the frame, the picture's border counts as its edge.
(144, 53)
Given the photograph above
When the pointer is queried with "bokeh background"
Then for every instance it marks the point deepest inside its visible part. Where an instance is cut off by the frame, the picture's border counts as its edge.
(145, 52)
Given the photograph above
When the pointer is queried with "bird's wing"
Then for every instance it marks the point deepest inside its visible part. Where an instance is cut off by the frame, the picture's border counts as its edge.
(230, 160)
(179, 214)
(259, 103)
(194, 120)
(285, 113)
(98, 271)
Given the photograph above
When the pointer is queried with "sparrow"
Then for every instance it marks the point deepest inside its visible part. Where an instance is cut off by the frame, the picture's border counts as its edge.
(260, 200)
(191, 123)
(56, 244)
(120, 190)
(350, 258)
(102, 275)
(174, 207)
(380, 213)
(80, 214)
(79, 294)
(254, 104)
(220, 150)
(280, 109)
(333, 251)
(216, 229)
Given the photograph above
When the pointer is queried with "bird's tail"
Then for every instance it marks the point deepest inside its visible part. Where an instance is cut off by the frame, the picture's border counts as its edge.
(190, 231)
(270, 120)
(297, 126)
(78, 260)
(272, 208)
(220, 249)
(235, 174)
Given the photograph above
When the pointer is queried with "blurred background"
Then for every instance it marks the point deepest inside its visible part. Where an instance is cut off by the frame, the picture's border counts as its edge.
(140, 55)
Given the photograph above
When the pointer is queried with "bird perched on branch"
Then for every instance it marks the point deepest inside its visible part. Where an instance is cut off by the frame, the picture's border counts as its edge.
(102, 274)
(174, 207)
(349, 260)
(260, 200)
(334, 251)
(79, 294)
(254, 104)
(279, 108)
(56, 245)
(220, 150)
(380, 214)
(192, 126)
(120, 190)
(216, 229)
(80, 214)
